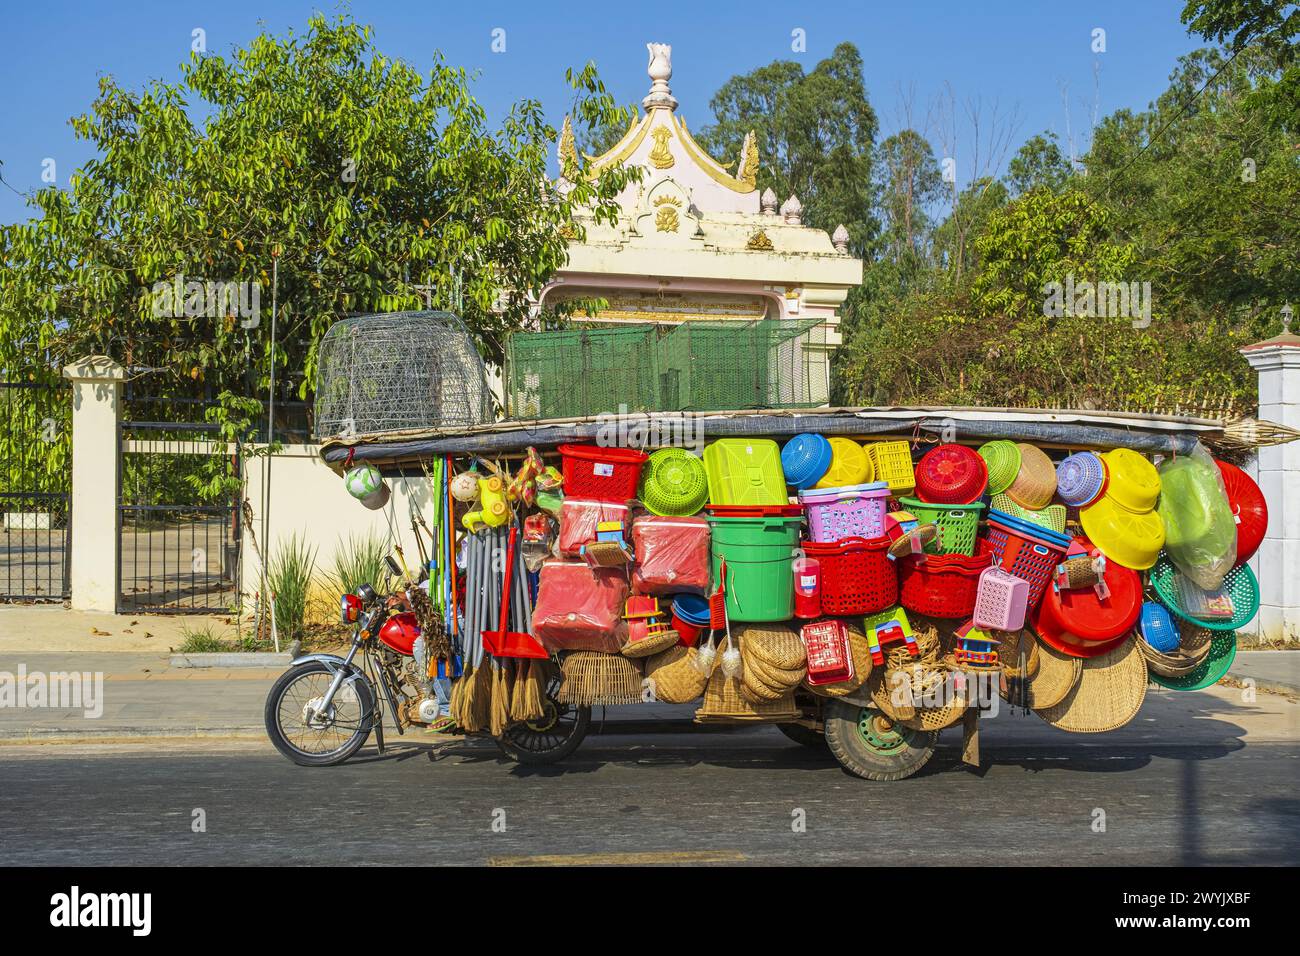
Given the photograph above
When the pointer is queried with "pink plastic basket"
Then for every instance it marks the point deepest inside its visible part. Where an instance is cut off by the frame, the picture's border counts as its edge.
(1002, 600)
(854, 511)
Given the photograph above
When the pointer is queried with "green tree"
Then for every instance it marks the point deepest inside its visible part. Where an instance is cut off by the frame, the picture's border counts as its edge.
(1038, 163)
(362, 177)
(815, 136)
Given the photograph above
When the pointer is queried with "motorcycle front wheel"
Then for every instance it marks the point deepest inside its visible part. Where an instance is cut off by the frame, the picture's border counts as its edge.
(550, 738)
(304, 734)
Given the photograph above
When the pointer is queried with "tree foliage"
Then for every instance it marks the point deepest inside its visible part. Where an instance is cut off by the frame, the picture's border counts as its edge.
(816, 133)
(362, 177)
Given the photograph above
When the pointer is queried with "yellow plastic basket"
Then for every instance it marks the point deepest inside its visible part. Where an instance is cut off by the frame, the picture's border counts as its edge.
(893, 465)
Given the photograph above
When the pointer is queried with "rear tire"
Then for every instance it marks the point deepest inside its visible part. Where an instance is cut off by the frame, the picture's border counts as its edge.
(550, 738)
(869, 745)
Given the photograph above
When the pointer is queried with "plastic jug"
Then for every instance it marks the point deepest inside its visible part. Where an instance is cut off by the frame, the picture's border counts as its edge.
(807, 587)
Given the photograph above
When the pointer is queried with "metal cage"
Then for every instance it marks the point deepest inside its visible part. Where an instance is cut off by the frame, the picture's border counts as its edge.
(400, 370)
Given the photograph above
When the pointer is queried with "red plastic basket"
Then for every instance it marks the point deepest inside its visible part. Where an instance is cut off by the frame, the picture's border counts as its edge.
(942, 585)
(603, 474)
(1034, 559)
(1248, 507)
(951, 475)
(857, 575)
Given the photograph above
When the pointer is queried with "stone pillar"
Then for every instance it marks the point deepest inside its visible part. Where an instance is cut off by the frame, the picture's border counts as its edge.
(1277, 362)
(96, 397)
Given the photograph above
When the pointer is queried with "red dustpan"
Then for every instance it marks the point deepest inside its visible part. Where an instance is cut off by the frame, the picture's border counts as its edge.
(503, 643)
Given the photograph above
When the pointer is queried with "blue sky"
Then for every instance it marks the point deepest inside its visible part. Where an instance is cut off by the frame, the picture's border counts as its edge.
(1017, 54)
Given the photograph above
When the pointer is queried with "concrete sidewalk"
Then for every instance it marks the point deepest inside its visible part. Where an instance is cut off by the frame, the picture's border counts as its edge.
(49, 628)
(1275, 672)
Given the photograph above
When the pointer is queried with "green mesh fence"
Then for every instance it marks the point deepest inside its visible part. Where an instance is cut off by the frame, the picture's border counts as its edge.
(709, 366)
(694, 366)
(583, 370)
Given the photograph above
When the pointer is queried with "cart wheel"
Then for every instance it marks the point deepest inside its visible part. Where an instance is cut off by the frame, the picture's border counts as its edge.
(804, 735)
(869, 745)
(551, 737)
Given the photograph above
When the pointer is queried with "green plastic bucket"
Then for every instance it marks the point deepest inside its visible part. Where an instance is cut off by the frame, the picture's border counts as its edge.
(760, 576)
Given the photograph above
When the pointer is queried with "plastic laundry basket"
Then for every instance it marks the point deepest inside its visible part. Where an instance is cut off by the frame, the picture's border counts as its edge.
(854, 512)
(942, 585)
(601, 474)
(858, 576)
(958, 524)
(1027, 551)
(745, 471)
(760, 573)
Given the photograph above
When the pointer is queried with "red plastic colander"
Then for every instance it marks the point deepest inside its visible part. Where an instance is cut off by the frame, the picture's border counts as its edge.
(1248, 507)
(951, 475)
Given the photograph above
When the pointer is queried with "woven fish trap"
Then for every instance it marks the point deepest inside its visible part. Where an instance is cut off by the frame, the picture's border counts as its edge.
(1108, 695)
(591, 678)
(724, 701)
(861, 652)
(672, 677)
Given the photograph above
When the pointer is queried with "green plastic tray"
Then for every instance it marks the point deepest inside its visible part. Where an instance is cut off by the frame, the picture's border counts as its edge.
(1240, 583)
(1223, 651)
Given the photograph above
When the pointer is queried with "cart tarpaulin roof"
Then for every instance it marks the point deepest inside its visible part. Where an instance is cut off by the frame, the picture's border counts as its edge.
(1064, 428)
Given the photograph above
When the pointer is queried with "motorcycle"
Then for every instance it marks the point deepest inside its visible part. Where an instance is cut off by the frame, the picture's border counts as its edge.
(322, 710)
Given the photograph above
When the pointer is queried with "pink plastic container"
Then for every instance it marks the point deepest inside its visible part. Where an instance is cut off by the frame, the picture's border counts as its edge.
(1002, 600)
(854, 511)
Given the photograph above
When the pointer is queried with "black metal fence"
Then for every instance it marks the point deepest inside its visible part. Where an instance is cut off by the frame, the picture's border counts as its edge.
(35, 486)
(177, 519)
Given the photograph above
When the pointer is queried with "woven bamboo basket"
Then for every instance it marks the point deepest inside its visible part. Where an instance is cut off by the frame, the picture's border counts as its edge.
(937, 718)
(861, 652)
(759, 682)
(671, 676)
(1108, 695)
(723, 701)
(1192, 650)
(592, 677)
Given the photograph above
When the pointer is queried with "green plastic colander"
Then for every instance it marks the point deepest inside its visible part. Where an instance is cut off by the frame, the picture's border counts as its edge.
(673, 482)
(1223, 651)
(1003, 460)
(1240, 584)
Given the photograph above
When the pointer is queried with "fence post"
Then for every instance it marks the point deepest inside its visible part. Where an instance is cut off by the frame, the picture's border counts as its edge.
(96, 398)
(1277, 363)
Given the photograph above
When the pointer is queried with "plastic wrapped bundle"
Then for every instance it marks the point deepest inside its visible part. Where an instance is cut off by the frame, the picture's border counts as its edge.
(580, 608)
(1200, 530)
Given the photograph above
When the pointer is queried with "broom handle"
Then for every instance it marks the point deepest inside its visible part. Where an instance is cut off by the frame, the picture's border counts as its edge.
(451, 543)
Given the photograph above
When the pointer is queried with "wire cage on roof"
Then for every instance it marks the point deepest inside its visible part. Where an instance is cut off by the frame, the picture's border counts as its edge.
(399, 370)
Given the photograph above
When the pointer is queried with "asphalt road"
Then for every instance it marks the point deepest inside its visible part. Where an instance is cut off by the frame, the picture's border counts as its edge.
(722, 797)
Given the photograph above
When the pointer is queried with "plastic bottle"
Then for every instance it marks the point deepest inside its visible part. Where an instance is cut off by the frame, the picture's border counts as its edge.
(807, 587)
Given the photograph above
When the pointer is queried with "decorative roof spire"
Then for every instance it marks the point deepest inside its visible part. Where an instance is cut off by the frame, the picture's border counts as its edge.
(748, 173)
(792, 210)
(661, 71)
(768, 202)
(567, 151)
(840, 239)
